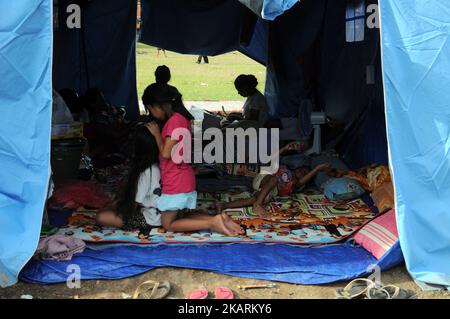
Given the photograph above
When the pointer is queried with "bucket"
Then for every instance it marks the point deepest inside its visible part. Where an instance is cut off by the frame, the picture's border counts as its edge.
(66, 157)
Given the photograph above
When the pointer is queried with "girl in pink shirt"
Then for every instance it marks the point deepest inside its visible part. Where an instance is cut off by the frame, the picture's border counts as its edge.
(178, 180)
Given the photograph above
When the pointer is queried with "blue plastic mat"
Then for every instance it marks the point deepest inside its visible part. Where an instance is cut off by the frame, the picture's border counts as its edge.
(298, 265)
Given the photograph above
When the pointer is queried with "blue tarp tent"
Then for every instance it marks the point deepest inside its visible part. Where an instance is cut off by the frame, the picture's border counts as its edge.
(416, 60)
(307, 55)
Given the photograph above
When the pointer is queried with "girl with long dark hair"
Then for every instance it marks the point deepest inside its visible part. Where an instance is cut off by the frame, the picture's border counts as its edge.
(135, 207)
(178, 180)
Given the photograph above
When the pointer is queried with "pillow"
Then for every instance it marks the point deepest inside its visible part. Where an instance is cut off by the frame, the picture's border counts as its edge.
(379, 235)
(322, 177)
(342, 189)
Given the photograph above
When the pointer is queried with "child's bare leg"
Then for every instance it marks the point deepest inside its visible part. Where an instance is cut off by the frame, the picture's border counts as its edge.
(239, 203)
(262, 197)
(245, 202)
(109, 218)
(172, 223)
(229, 223)
(267, 180)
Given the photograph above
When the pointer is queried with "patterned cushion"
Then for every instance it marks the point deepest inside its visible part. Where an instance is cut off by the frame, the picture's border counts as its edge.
(379, 235)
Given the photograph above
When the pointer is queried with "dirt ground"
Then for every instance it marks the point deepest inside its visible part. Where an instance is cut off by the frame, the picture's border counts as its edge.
(185, 280)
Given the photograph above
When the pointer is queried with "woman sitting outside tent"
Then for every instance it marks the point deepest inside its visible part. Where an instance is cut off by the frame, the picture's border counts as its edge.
(255, 110)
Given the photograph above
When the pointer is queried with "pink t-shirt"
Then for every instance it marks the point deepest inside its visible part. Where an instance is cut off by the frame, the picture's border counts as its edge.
(176, 178)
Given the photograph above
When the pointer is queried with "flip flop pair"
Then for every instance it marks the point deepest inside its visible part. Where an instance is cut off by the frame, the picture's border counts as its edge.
(362, 288)
(390, 292)
(152, 290)
(219, 293)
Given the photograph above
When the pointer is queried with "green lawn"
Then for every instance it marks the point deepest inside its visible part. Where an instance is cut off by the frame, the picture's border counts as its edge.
(204, 82)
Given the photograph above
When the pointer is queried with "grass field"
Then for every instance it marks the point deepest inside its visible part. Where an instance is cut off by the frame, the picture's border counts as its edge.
(198, 82)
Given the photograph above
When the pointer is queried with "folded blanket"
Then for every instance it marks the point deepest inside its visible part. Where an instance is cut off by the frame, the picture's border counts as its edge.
(59, 247)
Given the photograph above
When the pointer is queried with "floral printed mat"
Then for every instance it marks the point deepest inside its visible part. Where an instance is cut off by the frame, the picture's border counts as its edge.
(300, 219)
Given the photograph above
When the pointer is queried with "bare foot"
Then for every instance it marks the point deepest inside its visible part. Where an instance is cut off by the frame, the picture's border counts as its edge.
(233, 226)
(260, 211)
(218, 225)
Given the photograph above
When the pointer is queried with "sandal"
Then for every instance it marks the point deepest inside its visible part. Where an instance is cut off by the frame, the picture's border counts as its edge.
(223, 293)
(198, 294)
(377, 293)
(158, 290)
(356, 289)
(399, 293)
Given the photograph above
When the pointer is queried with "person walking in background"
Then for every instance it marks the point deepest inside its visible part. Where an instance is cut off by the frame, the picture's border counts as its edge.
(204, 57)
(164, 51)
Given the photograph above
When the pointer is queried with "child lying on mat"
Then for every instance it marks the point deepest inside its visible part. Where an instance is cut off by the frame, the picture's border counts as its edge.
(283, 183)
